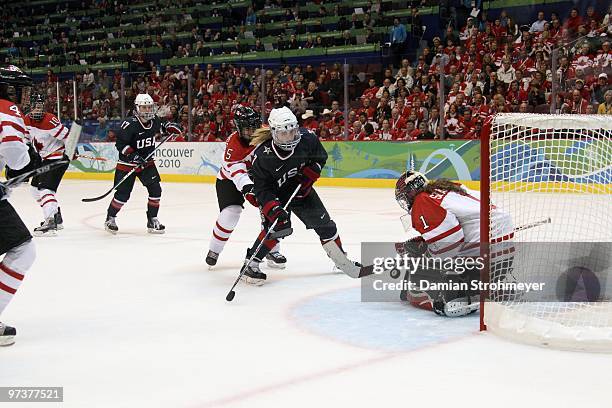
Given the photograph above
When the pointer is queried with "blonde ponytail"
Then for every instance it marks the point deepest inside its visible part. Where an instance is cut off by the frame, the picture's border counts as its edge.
(260, 135)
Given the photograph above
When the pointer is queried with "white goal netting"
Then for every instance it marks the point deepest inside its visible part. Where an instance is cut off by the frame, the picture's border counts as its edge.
(552, 174)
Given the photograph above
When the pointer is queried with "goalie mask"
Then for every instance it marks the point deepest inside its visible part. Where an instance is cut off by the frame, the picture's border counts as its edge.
(246, 121)
(284, 128)
(408, 186)
(145, 107)
(15, 85)
(37, 106)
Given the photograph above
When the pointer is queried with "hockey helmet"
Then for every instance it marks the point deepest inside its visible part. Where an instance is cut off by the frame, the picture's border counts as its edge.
(284, 128)
(145, 107)
(15, 85)
(408, 186)
(37, 106)
(246, 121)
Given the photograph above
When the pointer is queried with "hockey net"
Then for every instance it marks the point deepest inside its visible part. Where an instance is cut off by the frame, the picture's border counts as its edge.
(552, 175)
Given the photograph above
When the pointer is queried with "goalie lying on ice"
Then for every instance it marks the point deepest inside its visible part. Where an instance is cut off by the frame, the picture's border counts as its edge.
(447, 217)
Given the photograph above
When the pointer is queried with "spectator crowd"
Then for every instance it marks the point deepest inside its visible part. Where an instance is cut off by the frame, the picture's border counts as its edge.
(486, 66)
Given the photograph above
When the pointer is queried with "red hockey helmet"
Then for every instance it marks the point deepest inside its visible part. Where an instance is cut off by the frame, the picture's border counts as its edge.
(408, 186)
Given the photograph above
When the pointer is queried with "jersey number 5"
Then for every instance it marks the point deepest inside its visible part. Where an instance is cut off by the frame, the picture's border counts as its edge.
(228, 154)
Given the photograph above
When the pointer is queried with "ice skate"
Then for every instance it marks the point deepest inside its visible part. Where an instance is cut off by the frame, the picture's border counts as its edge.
(155, 227)
(110, 225)
(276, 260)
(211, 258)
(7, 335)
(48, 228)
(59, 221)
(253, 275)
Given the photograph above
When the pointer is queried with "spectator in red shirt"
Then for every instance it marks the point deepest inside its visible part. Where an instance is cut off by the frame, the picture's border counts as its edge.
(397, 122)
(309, 121)
(572, 22)
(577, 104)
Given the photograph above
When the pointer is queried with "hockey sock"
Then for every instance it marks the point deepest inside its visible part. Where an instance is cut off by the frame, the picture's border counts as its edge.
(276, 248)
(336, 239)
(114, 207)
(47, 201)
(226, 222)
(13, 267)
(153, 206)
(267, 246)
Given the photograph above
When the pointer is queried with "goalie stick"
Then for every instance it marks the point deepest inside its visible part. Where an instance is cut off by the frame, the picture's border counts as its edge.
(73, 139)
(39, 170)
(113, 188)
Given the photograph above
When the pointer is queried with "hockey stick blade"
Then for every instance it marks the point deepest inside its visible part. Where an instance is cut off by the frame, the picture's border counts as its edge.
(39, 170)
(366, 271)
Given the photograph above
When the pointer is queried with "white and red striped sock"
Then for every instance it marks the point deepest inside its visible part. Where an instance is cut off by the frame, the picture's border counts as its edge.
(13, 267)
(47, 201)
(226, 222)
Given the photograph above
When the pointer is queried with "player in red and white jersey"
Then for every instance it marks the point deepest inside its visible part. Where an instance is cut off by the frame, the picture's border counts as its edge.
(234, 185)
(447, 217)
(47, 135)
(15, 240)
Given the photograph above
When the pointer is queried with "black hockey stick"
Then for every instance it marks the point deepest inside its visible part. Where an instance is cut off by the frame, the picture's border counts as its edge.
(113, 188)
(232, 293)
(39, 170)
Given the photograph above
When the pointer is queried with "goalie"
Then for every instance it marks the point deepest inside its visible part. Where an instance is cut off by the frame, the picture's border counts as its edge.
(447, 217)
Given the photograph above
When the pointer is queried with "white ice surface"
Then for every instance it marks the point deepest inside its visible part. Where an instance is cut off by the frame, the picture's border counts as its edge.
(136, 320)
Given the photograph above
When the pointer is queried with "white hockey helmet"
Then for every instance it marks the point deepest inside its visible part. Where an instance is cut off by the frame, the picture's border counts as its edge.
(145, 107)
(284, 128)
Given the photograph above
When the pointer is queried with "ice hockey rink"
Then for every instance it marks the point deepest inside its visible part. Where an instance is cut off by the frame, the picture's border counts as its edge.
(137, 320)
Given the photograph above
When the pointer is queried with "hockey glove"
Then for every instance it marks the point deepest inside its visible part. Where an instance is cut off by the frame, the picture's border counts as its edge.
(249, 195)
(274, 212)
(137, 159)
(309, 175)
(171, 128)
(35, 162)
(413, 248)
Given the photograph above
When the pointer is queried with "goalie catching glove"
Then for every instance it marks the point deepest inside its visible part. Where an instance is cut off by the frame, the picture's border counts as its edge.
(414, 247)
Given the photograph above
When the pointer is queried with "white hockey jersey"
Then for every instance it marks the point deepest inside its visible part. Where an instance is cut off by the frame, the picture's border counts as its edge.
(48, 136)
(450, 222)
(13, 150)
(236, 161)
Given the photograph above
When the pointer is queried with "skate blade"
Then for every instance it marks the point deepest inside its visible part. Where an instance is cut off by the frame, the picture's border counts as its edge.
(6, 341)
(50, 233)
(110, 231)
(154, 231)
(252, 281)
(272, 264)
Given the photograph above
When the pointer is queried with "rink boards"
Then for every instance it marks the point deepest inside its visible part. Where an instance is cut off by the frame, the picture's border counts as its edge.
(350, 164)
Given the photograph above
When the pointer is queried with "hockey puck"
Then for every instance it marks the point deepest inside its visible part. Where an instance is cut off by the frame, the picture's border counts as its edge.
(230, 296)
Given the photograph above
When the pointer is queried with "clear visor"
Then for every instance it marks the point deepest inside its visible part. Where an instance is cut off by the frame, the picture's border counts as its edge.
(146, 112)
(247, 133)
(37, 110)
(286, 135)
